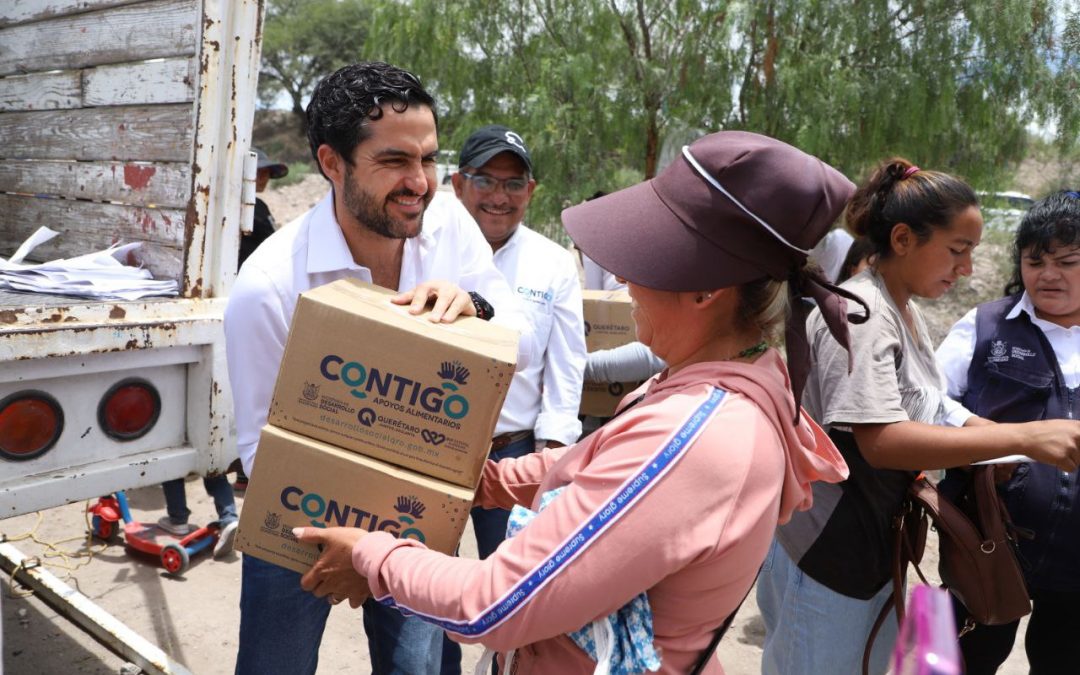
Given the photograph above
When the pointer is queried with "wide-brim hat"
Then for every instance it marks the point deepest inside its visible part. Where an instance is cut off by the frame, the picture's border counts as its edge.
(733, 207)
(277, 169)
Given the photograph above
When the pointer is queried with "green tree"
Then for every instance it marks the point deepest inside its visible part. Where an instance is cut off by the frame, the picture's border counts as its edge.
(597, 86)
(950, 84)
(304, 40)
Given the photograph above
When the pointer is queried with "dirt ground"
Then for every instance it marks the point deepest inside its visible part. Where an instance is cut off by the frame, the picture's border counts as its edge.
(195, 618)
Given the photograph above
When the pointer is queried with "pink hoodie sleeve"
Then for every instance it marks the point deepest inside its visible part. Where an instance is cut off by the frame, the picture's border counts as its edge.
(514, 480)
(712, 510)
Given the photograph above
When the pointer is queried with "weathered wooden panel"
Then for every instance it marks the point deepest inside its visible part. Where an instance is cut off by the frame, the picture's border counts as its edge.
(165, 81)
(49, 91)
(139, 184)
(144, 31)
(169, 80)
(21, 11)
(86, 227)
(160, 133)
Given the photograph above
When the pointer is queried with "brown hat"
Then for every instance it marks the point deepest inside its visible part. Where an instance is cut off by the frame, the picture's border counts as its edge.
(734, 207)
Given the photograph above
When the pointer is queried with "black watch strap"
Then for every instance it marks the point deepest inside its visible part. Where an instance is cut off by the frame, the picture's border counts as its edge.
(484, 310)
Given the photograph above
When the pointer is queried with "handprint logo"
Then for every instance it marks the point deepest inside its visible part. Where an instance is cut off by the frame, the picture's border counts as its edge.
(410, 506)
(454, 371)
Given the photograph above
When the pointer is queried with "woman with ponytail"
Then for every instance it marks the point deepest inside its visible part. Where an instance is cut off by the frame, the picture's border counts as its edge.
(828, 573)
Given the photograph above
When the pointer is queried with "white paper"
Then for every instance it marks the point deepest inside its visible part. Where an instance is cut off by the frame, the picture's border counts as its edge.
(42, 235)
(98, 275)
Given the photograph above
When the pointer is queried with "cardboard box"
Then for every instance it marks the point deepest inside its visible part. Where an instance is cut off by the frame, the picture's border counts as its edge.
(300, 482)
(608, 324)
(607, 319)
(363, 374)
(599, 399)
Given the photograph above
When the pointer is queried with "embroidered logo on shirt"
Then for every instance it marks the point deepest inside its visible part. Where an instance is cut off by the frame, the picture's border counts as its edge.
(999, 351)
(536, 295)
(1019, 353)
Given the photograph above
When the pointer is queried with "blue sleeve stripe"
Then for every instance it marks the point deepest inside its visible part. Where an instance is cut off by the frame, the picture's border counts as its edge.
(632, 490)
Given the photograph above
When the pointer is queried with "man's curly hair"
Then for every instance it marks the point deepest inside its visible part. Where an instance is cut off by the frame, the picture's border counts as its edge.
(343, 103)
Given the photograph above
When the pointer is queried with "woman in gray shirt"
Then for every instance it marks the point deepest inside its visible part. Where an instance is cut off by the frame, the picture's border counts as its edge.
(828, 573)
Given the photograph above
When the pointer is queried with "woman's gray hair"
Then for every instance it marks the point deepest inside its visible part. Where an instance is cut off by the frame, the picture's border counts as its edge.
(763, 304)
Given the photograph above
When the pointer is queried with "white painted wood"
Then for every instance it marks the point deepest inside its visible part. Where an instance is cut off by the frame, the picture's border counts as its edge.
(211, 135)
(139, 184)
(147, 30)
(22, 11)
(48, 91)
(229, 70)
(88, 226)
(159, 133)
(161, 81)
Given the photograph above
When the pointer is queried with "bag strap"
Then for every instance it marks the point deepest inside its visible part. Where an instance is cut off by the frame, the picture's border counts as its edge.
(703, 660)
(910, 516)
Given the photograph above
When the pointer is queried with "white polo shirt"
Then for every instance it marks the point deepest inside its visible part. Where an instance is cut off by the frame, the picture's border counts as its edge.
(958, 348)
(545, 395)
(311, 251)
(599, 279)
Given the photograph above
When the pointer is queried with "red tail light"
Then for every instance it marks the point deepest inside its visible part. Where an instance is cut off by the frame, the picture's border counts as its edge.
(30, 424)
(129, 409)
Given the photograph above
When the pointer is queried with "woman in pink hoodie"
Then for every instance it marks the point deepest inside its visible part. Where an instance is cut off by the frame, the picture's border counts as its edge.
(678, 497)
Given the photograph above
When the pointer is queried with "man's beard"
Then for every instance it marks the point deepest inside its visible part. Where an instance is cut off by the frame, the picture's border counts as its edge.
(362, 206)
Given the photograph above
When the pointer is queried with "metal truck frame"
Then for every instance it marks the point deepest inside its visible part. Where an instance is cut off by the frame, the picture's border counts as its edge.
(124, 120)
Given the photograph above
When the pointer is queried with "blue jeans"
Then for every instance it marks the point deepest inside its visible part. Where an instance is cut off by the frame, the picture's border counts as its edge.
(811, 629)
(217, 487)
(281, 628)
(490, 528)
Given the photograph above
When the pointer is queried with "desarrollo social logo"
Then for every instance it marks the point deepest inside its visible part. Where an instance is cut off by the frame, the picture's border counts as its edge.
(402, 393)
(322, 511)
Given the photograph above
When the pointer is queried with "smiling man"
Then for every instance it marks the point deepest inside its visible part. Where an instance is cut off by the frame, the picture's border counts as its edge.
(495, 183)
(372, 132)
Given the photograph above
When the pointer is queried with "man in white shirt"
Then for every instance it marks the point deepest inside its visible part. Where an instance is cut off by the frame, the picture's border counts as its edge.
(372, 131)
(495, 183)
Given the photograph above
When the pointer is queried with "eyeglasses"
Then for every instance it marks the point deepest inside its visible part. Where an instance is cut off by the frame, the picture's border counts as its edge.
(511, 186)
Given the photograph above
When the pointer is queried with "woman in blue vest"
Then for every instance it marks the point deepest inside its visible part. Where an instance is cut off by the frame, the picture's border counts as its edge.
(1014, 360)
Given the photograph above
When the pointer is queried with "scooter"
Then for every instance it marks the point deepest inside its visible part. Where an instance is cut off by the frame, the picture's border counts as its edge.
(175, 553)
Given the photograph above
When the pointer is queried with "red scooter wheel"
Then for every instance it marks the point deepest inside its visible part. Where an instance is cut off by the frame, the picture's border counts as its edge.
(103, 529)
(174, 558)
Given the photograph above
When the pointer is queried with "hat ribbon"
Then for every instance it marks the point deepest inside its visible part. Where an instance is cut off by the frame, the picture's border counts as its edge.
(832, 301)
(716, 184)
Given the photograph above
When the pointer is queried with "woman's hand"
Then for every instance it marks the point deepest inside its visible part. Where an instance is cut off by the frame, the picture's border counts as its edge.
(1055, 442)
(333, 574)
(451, 301)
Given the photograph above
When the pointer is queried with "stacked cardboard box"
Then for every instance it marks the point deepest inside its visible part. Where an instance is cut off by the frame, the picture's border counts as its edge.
(380, 420)
(608, 324)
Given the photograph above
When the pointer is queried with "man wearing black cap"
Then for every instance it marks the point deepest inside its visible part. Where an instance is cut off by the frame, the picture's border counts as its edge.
(495, 184)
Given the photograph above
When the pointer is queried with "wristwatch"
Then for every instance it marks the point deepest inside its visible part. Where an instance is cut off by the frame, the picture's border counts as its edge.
(484, 310)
